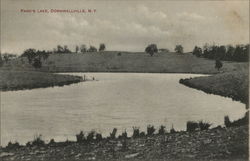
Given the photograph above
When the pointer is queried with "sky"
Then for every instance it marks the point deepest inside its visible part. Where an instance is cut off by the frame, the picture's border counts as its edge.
(123, 25)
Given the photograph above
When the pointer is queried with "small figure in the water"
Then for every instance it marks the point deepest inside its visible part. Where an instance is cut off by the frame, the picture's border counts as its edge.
(93, 78)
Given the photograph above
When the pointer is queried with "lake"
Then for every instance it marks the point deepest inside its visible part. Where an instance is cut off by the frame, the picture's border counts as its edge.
(120, 100)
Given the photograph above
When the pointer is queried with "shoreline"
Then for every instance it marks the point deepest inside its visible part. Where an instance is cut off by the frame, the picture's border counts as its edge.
(212, 144)
(26, 80)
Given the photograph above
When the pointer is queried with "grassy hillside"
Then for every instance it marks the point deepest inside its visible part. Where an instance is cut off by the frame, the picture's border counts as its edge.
(231, 84)
(17, 80)
(110, 61)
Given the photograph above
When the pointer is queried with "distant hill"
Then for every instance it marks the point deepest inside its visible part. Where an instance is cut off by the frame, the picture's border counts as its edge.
(119, 61)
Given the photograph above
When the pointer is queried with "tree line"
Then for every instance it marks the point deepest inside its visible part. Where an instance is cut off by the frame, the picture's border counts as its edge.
(151, 49)
(238, 53)
(35, 56)
(79, 49)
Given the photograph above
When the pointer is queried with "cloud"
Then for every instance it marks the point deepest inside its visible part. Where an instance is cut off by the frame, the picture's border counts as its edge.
(125, 26)
(190, 16)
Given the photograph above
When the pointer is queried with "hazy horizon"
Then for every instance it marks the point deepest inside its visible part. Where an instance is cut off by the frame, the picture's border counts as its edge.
(122, 25)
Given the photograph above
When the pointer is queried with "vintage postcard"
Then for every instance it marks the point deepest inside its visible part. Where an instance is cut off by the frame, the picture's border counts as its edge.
(123, 80)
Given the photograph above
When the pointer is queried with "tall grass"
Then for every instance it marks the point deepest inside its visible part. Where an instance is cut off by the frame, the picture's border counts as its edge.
(38, 141)
(80, 137)
(113, 134)
(192, 126)
(242, 121)
(162, 130)
(136, 132)
(150, 130)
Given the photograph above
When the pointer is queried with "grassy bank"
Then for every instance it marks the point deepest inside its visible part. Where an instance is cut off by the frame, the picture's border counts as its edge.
(18, 80)
(233, 84)
(214, 144)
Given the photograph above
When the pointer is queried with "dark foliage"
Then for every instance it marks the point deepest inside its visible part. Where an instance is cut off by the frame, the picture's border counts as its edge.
(178, 49)
(92, 49)
(124, 135)
(12, 146)
(172, 130)
(113, 134)
(38, 141)
(61, 49)
(52, 142)
(136, 132)
(150, 130)
(98, 137)
(83, 48)
(35, 55)
(229, 53)
(102, 47)
(218, 64)
(37, 63)
(142, 134)
(192, 126)
(80, 137)
(204, 125)
(162, 130)
(1, 60)
(227, 121)
(151, 49)
(90, 136)
(242, 121)
(77, 48)
(197, 51)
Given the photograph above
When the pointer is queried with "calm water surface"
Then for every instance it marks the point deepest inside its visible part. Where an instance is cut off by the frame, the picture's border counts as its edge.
(120, 100)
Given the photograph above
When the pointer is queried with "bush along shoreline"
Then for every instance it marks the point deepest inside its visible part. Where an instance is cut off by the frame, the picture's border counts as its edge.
(199, 141)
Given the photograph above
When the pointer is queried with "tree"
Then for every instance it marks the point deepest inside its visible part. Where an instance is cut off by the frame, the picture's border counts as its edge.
(65, 49)
(179, 49)
(151, 49)
(218, 64)
(77, 49)
(83, 48)
(102, 47)
(221, 52)
(246, 52)
(197, 51)
(92, 49)
(37, 63)
(30, 54)
(230, 52)
(60, 49)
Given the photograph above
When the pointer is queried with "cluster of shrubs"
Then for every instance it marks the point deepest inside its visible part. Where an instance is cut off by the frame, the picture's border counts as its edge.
(230, 53)
(35, 56)
(242, 121)
(193, 126)
(93, 136)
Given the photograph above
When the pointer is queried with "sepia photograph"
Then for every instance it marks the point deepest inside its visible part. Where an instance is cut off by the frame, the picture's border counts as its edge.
(124, 80)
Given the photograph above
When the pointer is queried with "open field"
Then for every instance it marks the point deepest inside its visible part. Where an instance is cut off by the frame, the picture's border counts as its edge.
(214, 144)
(128, 62)
(18, 80)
